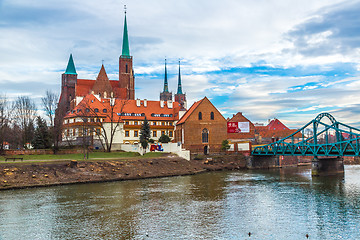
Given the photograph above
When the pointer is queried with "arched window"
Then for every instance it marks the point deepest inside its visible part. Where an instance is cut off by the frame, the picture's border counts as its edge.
(212, 116)
(126, 68)
(205, 135)
(200, 116)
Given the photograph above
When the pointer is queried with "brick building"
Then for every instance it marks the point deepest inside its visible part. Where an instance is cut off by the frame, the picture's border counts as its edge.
(88, 108)
(274, 131)
(202, 128)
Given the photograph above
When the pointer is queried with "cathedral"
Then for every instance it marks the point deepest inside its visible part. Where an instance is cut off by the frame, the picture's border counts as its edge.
(90, 102)
(73, 89)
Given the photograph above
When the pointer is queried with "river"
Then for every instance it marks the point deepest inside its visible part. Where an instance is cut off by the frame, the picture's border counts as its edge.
(271, 204)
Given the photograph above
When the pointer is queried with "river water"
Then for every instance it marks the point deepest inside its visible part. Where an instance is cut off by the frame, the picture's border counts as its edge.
(274, 204)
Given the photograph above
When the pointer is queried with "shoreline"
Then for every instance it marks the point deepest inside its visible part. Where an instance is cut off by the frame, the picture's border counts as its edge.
(20, 175)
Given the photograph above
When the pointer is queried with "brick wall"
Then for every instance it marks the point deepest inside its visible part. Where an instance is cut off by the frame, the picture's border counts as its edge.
(193, 128)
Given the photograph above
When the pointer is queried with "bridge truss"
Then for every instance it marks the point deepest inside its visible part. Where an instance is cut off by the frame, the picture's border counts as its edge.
(317, 138)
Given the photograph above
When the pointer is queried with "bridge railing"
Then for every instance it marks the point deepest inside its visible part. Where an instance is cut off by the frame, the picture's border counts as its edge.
(312, 145)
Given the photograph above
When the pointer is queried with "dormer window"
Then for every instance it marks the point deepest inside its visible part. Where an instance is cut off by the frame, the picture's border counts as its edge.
(96, 110)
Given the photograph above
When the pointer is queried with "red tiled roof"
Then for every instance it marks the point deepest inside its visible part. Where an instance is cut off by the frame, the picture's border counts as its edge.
(84, 87)
(153, 110)
(275, 124)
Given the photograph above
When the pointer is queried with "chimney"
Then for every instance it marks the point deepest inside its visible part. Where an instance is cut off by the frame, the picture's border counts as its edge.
(161, 103)
(138, 102)
(145, 102)
(170, 104)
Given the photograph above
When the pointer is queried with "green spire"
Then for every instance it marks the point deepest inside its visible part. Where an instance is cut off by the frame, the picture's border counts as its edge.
(70, 69)
(179, 91)
(166, 89)
(125, 47)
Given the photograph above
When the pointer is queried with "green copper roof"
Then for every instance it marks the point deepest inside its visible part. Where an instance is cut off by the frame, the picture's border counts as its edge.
(125, 47)
(70, 69)
(179, 91)
(166, 89)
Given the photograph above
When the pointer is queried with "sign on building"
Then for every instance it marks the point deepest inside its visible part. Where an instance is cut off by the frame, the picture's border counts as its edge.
(238, 127)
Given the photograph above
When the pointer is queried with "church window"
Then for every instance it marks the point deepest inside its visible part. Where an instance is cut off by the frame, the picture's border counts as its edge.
(205, 135)
(96, 110)
(200, 116)
(212, 116)
(104, 110)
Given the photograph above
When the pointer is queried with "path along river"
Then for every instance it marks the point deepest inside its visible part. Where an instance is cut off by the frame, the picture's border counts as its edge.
(275, 204)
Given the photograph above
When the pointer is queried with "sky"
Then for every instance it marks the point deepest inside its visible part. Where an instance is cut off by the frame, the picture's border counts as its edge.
(285, 59)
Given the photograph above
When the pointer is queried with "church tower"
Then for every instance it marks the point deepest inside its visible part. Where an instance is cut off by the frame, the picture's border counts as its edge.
(180, 97)
(126, 72)
(68, 83)
(166, 95)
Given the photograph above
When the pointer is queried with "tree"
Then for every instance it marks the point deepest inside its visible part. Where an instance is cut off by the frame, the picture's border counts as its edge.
(49, 103)
(42, 136)
(225, 145)
(110, 119)
(164, 138)
(4, 121)
(145, 134)
(24, 110)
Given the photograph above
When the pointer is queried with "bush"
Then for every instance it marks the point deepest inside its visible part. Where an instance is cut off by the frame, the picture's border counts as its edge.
(164, 138)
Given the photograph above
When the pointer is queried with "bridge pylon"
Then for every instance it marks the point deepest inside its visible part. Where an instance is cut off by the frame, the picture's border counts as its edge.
(325, 166)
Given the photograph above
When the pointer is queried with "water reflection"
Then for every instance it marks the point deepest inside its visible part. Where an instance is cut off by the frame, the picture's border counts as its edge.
(275, 204)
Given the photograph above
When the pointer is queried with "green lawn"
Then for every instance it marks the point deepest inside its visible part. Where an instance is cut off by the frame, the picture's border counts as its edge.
(80, 156)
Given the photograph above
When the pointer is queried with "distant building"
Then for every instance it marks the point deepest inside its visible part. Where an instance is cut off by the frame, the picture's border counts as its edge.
(202, 128)
(273, 132)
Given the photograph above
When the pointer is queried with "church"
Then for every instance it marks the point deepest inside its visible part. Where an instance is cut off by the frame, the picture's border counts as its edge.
(86, 105)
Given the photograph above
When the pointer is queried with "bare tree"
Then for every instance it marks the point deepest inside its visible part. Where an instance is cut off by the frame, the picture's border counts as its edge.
(107, 121)
(4, 120)
(49, 103)
(24, 111)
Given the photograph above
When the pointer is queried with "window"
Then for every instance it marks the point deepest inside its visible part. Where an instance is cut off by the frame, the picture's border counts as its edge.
(136, 123)
(212, 116)
(200, 116)
(154, 133)
(162, 132)
(154, 123)
(78, 110)
(104, 110)
(96, 110)
(205, 135)
(126, 123)
(171, 134)
(126, 68)
(136, 133)
(163, 123)
(98, 131)
(127, 134)
(87, 110)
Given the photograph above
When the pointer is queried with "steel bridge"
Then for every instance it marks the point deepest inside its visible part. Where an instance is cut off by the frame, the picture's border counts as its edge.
(316, 138)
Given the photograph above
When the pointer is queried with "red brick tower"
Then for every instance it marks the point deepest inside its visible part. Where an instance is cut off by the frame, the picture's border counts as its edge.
(68, 83)
(126, 72)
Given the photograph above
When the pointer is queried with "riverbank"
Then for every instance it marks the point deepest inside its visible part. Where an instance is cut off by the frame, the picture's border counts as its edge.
(27, 174)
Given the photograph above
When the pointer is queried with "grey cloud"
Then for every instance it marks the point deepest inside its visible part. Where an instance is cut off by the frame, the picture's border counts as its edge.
(342, 23)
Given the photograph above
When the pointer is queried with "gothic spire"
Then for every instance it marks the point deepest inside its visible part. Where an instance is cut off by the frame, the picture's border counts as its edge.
(166, 88)
(70, 69)
(125, 46)
(179, 91)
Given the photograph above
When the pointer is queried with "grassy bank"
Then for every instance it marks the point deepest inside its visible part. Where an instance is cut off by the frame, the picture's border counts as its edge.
(80, 156)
